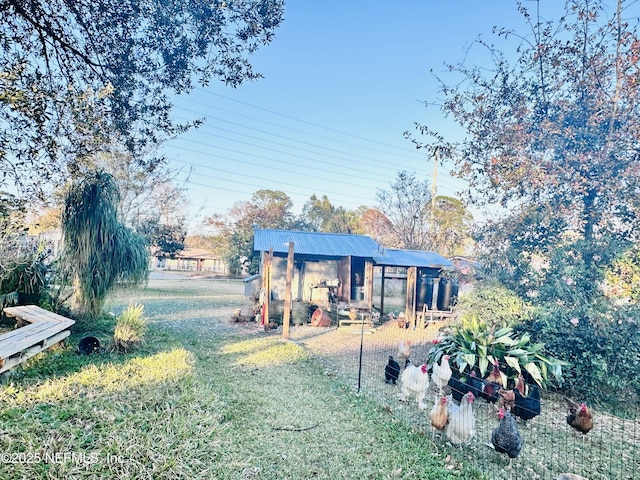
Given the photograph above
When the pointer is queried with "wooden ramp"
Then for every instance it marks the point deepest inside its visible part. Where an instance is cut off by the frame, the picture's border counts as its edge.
(38, 329)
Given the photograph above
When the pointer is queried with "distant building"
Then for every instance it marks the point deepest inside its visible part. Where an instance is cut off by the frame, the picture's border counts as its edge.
(193, 260)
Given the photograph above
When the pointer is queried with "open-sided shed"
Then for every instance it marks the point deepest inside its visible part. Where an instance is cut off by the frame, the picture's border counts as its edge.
(336, 270)
(427, 290)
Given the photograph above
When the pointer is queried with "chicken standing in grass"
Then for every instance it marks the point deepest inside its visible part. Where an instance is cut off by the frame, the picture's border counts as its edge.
(462, 421)
(527, 407)
(579, 417)
(439, 414)
(414, 381)
(441, 374)
(506, 437)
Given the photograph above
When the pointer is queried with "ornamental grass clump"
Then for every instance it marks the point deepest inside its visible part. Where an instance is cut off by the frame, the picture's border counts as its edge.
(130, 328)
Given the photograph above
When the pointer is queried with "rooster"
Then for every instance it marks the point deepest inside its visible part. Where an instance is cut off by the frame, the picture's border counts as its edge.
(491, 384)
(391, 371)
(439, 414)
(415, 381)
(579, 418)
(521, 386)
(404, 351)
(462, 421)
(506, 438)
(441, 374)
(527, 407)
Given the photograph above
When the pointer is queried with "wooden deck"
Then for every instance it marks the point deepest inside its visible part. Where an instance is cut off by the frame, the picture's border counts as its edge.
(38, 329)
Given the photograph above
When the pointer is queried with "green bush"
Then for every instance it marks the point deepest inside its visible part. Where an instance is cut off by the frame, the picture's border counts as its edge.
(495, 304)
(130, 328)
(476, 345)
(603, 345)
(25, 272)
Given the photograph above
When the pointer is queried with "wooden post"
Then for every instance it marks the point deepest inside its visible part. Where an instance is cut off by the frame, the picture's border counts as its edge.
(287, 294)
(267, 287)
(411, 295)
(382, 291)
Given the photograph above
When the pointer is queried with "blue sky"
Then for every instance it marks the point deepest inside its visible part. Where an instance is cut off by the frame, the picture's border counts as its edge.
(342, 81)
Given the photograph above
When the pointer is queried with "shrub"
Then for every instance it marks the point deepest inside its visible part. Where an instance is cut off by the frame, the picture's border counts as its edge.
(475, 344)
(494, 303)
(130, 327)
(602, 343)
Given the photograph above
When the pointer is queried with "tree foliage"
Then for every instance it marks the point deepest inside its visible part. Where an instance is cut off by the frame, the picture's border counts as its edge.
(452, 225)
(99, 251)
(269, 209)
(164, 240)
(318, 213)
(553, 136)
(78, 74)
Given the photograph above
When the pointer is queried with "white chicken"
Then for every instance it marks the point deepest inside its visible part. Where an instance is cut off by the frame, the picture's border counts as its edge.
(441, 373)
(414, 381)
(462, 421)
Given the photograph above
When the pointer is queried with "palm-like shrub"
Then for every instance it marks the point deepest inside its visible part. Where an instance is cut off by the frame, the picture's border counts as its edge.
(99, 250)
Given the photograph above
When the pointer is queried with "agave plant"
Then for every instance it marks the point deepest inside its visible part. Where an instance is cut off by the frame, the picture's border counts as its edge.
(475, 345)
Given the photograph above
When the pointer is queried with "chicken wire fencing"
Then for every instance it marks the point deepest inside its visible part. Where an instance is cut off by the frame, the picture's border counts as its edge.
(550, 446)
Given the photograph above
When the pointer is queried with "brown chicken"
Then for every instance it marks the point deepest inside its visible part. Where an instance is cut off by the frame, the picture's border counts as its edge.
(491, 384)
(506, 399)
(495, 376)
(579, 418)
(404, 351)
(439, 414)
(521, 386)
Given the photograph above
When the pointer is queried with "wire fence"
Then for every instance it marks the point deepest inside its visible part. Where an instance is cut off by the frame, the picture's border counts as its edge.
(551, 447)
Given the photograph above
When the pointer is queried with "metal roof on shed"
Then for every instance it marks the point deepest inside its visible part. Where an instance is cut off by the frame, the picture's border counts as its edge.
(316, 243)
(413, 258)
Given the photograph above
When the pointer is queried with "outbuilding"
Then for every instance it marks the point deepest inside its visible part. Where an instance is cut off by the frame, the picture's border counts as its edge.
(330, 270)
(335, 272)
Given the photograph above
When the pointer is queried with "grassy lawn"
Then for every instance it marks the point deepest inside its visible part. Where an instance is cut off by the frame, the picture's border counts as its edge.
(203, 398)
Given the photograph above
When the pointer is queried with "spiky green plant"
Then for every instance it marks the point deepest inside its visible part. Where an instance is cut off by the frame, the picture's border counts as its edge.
(130, 327)
(99, 250)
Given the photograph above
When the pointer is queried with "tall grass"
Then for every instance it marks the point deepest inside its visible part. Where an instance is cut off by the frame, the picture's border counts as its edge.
(130, 327)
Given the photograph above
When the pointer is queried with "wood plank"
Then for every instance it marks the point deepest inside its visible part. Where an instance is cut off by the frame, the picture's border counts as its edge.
(18, 332)
(32, 313)
(43, 329)
(9, 349)
(22, 332)
(11, 362)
